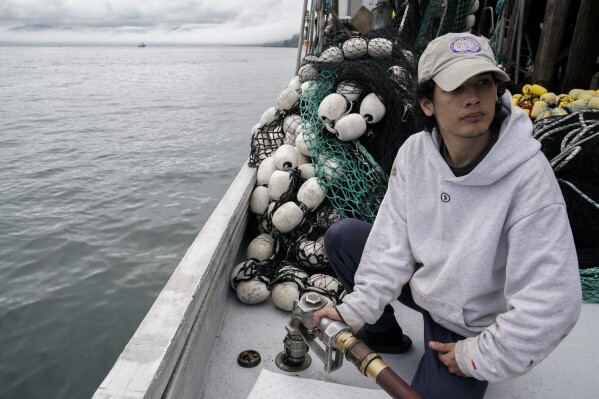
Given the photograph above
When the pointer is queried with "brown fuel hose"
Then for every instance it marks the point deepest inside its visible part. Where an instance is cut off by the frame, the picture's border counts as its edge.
(370, 364)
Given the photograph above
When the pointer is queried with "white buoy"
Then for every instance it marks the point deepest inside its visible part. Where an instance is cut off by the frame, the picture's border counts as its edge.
(332, 169)
(307, 72)
(354, 48)
(261, 248)
(286, 293)
(286, 156)
(309, 58)
(300, 143)
(307, 170)
(302, 159)
(308, 89)
(380, 48)
(324, 281)
(252, 292)
(255, 128)
(269, 116)
(265, 226)
(475, 6)
(311, 253)
(332, 55)
(276, 135)
(350, 90)
(287, 99)
(350, 127)
(291, 122)
(372, 108)
(333, 107)
(265, 170)
(259, 200)
(295, 84)
(470, 21)
(287, 217)
(311, 193)
(234, 274)
(278, 183)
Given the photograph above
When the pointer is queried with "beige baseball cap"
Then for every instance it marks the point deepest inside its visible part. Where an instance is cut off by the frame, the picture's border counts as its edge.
(453, 58)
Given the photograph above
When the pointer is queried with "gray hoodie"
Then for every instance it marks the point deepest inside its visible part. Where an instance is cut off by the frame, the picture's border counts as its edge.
(489, 255)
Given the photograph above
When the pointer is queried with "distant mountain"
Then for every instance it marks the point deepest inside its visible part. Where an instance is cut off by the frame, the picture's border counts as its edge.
(38, 27)
(293, 42)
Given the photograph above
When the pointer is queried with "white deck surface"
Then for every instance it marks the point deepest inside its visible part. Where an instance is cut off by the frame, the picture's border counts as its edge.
(571, 371)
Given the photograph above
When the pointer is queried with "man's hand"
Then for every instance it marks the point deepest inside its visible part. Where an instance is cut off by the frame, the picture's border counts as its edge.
(327, 311)
(447, 356)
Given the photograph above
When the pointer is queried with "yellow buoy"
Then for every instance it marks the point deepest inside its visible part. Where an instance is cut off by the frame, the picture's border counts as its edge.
(538, 90)
(574, 93)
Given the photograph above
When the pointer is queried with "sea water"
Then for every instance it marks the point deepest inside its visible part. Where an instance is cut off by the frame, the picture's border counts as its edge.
(111, 160)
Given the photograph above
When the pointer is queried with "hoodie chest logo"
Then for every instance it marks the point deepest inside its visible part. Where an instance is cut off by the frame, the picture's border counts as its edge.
(445, 197)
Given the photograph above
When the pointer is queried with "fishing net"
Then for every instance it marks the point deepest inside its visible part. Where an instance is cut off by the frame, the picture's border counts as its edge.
(266, 139)
(378, 67)
(355, 173)
(571, 143)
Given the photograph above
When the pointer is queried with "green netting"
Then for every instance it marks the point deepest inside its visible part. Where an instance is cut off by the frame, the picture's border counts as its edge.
(589, 278)
(355, 184)
(441, 17)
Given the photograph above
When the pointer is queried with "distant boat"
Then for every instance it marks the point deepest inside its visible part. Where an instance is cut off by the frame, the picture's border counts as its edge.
(141, 45)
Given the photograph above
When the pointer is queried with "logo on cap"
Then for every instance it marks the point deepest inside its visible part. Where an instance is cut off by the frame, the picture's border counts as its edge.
(465, 45)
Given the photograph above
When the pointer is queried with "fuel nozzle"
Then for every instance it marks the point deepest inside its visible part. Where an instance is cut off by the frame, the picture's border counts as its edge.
(338, 340)
(301, 333)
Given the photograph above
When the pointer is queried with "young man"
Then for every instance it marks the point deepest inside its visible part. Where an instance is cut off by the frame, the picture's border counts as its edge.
(472, 232)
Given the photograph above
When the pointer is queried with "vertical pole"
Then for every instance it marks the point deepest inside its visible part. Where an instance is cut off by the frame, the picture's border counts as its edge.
(554, 22)
(301, 38)
(584, 48)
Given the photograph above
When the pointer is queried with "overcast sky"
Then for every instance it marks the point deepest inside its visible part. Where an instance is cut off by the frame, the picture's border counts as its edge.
(150, 21)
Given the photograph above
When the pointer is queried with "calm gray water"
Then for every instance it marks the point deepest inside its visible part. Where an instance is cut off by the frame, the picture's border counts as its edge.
(111, 160)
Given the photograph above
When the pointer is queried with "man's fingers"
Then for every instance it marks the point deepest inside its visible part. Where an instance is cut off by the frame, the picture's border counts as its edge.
(438, 346)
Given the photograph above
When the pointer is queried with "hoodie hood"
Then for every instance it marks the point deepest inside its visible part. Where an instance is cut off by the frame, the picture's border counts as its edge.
(514, 146)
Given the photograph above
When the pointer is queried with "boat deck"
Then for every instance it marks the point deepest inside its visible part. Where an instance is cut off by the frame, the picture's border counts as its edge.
(570, 371)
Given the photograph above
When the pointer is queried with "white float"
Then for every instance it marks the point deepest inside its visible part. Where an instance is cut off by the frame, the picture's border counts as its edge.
(324, 281)
(333, 107)
(372, 108)
(307, 170)
(354, 48)
(380, 48)
(286, 156)
(255, 128)
(350, 127)
(287, 217)
(268, 116)
(265, 170)
(295, 84)
(259, 200)
(311, 193)
(307, 72)
(308, 89)
(291, 122)
(278, 183)
(350, 90)
(261, 248)
(252, 292)
(287, 99)
(300, 143)
(332, 55)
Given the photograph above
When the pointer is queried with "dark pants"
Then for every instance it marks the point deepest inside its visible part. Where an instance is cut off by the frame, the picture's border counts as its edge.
(344, 244)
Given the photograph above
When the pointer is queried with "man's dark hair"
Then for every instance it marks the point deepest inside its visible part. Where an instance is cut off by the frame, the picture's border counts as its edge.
(426, 88)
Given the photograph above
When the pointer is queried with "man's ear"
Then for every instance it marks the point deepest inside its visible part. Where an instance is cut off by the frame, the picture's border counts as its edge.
(427, 106)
